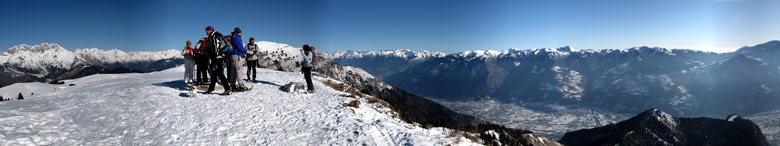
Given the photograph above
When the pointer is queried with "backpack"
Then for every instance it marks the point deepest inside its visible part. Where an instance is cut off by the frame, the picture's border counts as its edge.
(217, 45)
(202, 47)
(226, 48)
(253, 50)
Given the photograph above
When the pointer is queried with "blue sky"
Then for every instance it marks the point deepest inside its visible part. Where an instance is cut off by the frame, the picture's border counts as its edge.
(437, 25)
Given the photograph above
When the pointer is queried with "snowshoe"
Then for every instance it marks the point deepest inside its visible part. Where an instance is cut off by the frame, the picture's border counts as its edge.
(243, 89)
(308, 91)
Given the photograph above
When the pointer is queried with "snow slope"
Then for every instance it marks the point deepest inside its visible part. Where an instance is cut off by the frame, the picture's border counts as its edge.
(26, 89)
(153, 109)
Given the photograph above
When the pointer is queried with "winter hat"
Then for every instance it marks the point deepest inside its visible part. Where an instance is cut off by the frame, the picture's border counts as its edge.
(251, 39)
(189, 42)
(306, 48)
(237, 30)
(209, 28)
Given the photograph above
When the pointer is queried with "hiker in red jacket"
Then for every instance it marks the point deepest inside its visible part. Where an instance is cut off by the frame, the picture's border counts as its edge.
(189, 63)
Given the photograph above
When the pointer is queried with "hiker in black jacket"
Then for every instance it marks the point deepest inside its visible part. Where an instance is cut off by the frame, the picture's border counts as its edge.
(202, 62)
(216, 50)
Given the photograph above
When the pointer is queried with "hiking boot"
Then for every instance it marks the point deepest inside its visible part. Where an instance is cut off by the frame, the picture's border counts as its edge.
(208, 91)
(227, 92)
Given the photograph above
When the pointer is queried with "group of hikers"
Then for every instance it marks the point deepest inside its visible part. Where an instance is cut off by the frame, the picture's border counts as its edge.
(216, 52)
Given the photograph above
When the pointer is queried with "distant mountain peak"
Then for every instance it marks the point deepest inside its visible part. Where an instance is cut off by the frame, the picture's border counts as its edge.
(770, 45)
(50, 61)
(733, 117)
(36, 48)
(654, 127)
(565, 49)
(40, 58)
(659, 116)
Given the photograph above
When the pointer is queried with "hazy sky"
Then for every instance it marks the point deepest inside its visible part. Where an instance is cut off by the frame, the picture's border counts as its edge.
(437, 25)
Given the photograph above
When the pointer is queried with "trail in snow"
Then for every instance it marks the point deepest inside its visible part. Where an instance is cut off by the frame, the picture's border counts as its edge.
(155, 109)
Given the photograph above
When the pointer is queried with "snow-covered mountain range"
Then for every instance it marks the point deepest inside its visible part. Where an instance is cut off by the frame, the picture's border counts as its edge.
(144, 61)
(679, 81)
(392, 61)
(47, 62)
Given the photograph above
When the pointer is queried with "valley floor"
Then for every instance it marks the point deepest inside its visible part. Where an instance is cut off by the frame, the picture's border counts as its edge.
(769, 122)
(549, 120)
(552, 120)
(154, 109)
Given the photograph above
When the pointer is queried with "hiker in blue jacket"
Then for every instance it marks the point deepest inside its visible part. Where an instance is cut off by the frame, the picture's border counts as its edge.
(236, 56)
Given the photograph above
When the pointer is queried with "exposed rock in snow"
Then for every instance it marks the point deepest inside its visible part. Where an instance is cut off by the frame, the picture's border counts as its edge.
(279, 56)
(569, 83)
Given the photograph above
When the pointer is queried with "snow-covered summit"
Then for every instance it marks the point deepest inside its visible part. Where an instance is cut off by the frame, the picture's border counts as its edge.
(41, 56)
(268, 46)
(49, 55)
(282, 56)
(40, 59)
(154, 109)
